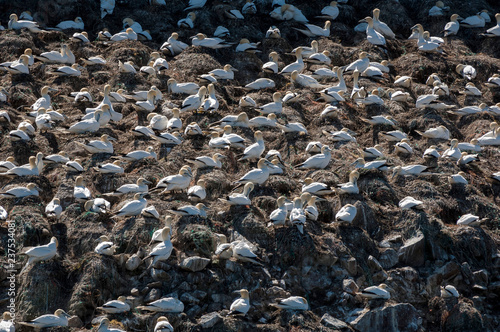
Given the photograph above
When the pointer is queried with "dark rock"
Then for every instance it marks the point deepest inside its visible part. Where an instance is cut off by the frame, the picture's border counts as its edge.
(194, 263)
(388, 258)
(413, 250)
(209, 320)
(398, 317)
(374, 264)
(463, 318)
(75, 321)
(153, 295)
(334, 323)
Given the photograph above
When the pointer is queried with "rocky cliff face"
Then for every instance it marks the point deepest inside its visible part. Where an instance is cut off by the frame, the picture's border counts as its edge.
(414, 252)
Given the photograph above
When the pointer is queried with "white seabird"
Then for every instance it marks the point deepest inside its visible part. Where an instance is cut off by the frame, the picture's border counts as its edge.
(376, 292)
(410, 202)
(318, 161)
(260, 83)
(173, 45)
(166, 304)
(451, 28)
(141, 186)
(242, 304)
(18, 192)
(449, 291)
(278, 216)
(41, 253)
(255, 150)
(163, 325)
(350, 187)
(54, 208)
(316, 188)
(275, 107)
(179, 181)
(80, 192)
(105, 246)
(163, 250)
(346, 214)
(103, 145)
(459, 178)
(190, 210)
(198, 192)
(134, 207)
(440, 132)
(117, 306)
(297, 215)
(59, 318)
(240, 199)
(214, 43)
(206, 161)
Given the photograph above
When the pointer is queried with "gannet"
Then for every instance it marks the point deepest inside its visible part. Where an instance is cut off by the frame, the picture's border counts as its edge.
(330, 12)
(82, 37)
(166, 304)
(467, 158)
(305, 81)
(163, 325)
(361, 64)
(249, 7)
(261, 121)
(459, 178)
(233, 14)
(475, 21)
(59, 318)
(198, 192)
(372, 35)
(493, 81)
(187, 88)
(410, 202)
(293, 127)
(340, 136)
(440, 132)
(217, 142)
(127, 67)
(490, 139)
(240, 199)
(467, 71)
(278, 216)
(17, 25)
(174, 123)
(149, 105)
(173, 45)
(315, 31)
(324, 73)
(472, 146)
(82, 95)
(377, 164)
(260, 83)
(80, 192)
(18, 192)
(272, 65)
(311, 210)
(451, 28)
(106, 248)
(74, 166)
(316, 188)
(76, 24)
(403, 146)
(190, 210)
(127, 34)
(104, 34)
(41, 253)
(98, 205)
(19, 134)
(187, 22)
(193, 129)
(298, 65)
(350, 187)
(117, 306)
(193, 102)
(357, 92)
(470, 220)
(425, 39)
(255, 150)
(376, 292)
(29, 170)
(205, 161)
(449, 291)
(242, 251)
(453, 152)
(381, 27)
(179, 181)
(440, 89)
(322, 58)
(318, 161)
(163, 250)
(134, 207)
(210, 102)
(371, 99)
(297, 215)
(431, 101)
(273, 32)
(7, 322)
(307, 51)
(158, 235)
(110, 168)
(314, 147)
(103, 145)
(242, 304)
(88, 125)
(7, 164)
(26, 15)
(20, 66)
(26, 126)
(235, 139)
(495, 30)
(409, 170)
(66, 71)
(140, 154)
(438, 9)
(426, 45)
(224, 74)
(214, 43)
(246, 46)
(346, 214)
(195, 4)
(275, 107)
(373, 152)
(44, 100)
(471, 90)
(495, 177)
(54, 208)
(157, 121)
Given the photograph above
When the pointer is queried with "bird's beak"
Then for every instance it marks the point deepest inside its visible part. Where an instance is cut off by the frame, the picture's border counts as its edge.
(111, 139)
(234, 69)
(193, 37)
(362, 21)
(147, 182)
(53, 90)
(222, 157)
(236, 292)
(319, 199)
(393, 175)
